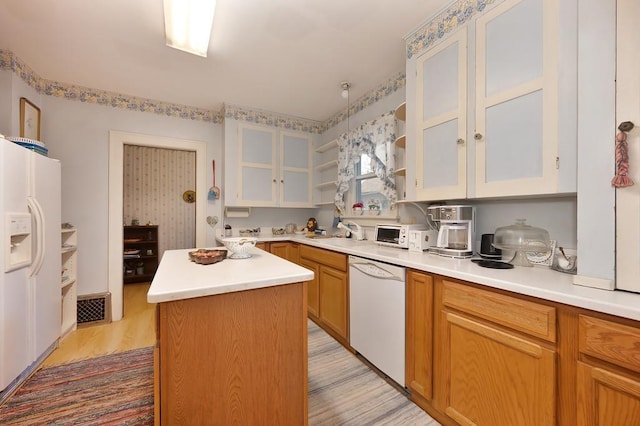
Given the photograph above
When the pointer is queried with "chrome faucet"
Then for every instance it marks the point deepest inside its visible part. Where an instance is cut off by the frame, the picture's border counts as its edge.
(358, 232)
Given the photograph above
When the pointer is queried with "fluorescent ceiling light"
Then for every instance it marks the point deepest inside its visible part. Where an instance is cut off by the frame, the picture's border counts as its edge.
(187, 24)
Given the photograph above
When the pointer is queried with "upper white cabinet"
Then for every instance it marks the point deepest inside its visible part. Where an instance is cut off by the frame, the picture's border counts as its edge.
(272, 170)
(516, 102)
(495, 103)
(295, 170)
(441, 149)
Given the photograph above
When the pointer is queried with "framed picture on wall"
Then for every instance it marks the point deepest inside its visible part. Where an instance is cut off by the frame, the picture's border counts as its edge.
(29, 120)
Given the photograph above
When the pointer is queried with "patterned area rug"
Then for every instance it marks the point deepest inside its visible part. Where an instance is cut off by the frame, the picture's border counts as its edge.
(118, 390)
(344, 391)
(109, 390)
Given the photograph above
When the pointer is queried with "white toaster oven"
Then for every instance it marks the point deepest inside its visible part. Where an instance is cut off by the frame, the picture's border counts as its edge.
(396, 234)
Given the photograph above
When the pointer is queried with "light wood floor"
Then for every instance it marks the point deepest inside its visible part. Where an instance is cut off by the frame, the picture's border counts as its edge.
(135, 330)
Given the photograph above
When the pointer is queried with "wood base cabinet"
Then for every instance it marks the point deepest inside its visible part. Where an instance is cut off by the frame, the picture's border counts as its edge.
(235, 358)
(328, 294)
(419, 335)
(608, 386)
(490, 371)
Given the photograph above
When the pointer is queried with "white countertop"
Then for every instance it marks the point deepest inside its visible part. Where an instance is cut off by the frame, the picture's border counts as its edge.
(178, 278)
(537, 281)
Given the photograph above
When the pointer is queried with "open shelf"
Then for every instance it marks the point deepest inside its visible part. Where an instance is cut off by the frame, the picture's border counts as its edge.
(327, 165)
(327, 184)
(401, 141)
(327, 146)
(401, 111)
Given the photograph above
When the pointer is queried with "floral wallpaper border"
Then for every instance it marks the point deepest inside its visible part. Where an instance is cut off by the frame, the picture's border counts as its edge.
(10, 62)
(444, 23)
(385, 89)
(271, 119)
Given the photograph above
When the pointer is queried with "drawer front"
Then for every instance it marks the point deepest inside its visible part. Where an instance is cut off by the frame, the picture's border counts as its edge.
(610, 341)
(326, 257)
(528, 317)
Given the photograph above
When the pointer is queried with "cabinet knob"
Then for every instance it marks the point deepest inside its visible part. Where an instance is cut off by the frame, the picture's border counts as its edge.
(281, 180)
(274, 181)
(478, 136)
(460, 141)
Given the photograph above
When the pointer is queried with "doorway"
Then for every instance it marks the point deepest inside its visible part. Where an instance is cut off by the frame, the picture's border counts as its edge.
(117, 141)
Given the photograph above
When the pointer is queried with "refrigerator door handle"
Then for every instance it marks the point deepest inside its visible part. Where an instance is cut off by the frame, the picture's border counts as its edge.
(38, 216)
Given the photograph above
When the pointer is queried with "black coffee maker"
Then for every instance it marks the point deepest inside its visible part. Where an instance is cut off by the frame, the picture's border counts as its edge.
(487, 250)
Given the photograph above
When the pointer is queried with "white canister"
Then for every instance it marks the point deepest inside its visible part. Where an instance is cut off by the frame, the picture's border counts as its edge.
(422, 240)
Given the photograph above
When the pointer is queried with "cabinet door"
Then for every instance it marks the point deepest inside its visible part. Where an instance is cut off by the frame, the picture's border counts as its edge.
(516, 129)
(419, 354)
(257, 166)
(495, 378)
(441, 169)
(607, 398)
(334, 301)
(313, 289)
(295, 170)
(280, 249)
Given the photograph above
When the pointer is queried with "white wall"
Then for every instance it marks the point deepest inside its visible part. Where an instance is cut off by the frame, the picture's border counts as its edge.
(596, 140)
(6, 101)
(78, 134)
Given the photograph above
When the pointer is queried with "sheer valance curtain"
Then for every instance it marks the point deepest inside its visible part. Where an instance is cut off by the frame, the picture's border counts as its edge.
(364, 140)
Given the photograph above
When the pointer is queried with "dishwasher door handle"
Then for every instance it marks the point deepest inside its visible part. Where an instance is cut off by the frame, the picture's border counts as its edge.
(365, 268)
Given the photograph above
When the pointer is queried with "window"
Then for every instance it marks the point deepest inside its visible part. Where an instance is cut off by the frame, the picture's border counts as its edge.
(365, 166)
(368, 187)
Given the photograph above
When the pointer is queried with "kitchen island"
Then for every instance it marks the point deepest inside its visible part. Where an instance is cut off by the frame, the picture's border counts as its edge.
(231, 340)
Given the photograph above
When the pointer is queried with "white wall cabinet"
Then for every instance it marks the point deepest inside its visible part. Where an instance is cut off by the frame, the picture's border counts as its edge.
(441, 150)
(488, 105)
(274, 170)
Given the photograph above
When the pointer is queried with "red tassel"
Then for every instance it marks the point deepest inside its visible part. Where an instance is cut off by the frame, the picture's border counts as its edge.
(621, 179)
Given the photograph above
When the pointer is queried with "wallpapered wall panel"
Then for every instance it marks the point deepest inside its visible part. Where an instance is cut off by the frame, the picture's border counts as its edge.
(154, 181)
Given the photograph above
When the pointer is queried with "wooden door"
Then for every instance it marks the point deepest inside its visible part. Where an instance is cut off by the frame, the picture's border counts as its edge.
(334, 302)
(313, 290)
(419, 344)
(607, 398)
(492, 377)
(280, 249)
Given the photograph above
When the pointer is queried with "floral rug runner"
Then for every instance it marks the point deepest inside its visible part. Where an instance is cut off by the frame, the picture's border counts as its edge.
(109, 390)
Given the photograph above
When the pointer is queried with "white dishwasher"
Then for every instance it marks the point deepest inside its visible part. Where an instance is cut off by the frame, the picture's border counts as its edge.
(377, 314)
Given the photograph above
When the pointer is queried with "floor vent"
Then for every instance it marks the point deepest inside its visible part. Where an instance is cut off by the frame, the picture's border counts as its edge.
(94, 309)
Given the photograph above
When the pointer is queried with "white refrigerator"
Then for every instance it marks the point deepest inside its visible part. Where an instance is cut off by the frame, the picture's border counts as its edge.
(30, 293)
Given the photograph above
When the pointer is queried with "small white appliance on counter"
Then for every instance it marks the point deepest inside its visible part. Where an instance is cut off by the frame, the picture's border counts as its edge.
(422, 240)
(30, 307)
(396, 234)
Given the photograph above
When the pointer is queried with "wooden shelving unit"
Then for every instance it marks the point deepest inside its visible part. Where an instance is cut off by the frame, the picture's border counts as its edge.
(326, 173)
(140, 252)
(401, 142)
(69, 279)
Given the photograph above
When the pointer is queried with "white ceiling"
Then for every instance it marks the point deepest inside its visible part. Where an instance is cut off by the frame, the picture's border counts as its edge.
(283, 56)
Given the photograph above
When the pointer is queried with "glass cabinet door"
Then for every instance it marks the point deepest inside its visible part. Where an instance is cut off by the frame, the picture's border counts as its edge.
(441, 149)
(516, 129)
(295, 170)
(257, 166)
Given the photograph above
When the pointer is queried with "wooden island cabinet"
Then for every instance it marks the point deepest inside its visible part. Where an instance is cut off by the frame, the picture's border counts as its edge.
(231, 341)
